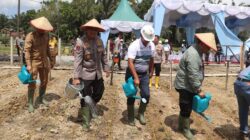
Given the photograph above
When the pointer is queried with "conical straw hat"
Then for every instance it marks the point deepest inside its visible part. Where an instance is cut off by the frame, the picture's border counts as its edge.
(208, 39)
(41, 23)
(93, 24)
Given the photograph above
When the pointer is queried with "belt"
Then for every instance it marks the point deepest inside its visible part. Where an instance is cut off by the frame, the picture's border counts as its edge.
(242, 80)
(142, 73)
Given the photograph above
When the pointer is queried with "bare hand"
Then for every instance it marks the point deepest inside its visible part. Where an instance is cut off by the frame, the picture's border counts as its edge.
(107, 74)
(28, 68)
(136, 82)
(51, 66)
(202, 94)
(76, 82)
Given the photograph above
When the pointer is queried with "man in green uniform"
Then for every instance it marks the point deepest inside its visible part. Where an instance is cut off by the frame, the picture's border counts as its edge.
(189, 78)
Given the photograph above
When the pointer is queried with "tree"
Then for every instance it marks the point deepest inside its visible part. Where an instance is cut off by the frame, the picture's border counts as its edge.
(66, 18)
(26, 18)
(3, 21)
(142, 8)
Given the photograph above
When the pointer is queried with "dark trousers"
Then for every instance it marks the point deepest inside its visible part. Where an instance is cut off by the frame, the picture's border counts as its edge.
(119, 62)
(93, 88)
(247, 62)
(144, 86)
(217, 58)
(24, 60)
(185, 102)
(242, 92)
(157, 69)
(18, 50)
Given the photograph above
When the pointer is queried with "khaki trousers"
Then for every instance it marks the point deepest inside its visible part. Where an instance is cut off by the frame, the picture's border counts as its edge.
(43, 75)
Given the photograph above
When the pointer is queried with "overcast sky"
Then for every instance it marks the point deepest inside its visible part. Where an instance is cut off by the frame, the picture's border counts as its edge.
(9, 7)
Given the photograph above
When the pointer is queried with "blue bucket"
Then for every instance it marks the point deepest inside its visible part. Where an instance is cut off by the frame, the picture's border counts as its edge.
(130, 89)
(24, 76)
(201, 104)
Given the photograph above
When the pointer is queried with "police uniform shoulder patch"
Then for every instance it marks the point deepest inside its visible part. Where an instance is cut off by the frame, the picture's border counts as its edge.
(77, 48)
(99, 42)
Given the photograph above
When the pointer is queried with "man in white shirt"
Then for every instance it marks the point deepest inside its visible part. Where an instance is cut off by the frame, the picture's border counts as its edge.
(167, 50)
(140, 62)
(118, 48)
(183, 46)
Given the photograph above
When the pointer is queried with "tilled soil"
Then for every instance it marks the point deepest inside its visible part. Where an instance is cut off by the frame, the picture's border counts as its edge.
(59, 119)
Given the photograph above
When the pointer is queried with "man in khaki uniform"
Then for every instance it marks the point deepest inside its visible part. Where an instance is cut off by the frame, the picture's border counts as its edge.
(36, 55)
(90, 59)
(159, 58)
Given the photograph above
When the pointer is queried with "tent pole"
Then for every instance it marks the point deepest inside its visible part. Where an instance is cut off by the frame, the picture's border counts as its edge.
(233, 54)
(242, 57)
(108, 50)
(227, 69)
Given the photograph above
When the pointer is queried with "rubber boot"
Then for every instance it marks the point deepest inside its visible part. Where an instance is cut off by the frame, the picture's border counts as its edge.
(40, 99)
(157, 78)
(142, 109)
(244, 136)
(85, 118)
(184, 127)
(180, 123)
(131, 115)
(30, 100)
(150, 82)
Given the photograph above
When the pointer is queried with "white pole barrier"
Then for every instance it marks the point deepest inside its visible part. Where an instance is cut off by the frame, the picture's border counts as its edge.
(171, 71)
(11, 50)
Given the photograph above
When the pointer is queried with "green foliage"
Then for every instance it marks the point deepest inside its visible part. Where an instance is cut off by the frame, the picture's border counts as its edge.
(142, 8)
(4, 39)
(66, 18)
(3, 21)
(25, 19)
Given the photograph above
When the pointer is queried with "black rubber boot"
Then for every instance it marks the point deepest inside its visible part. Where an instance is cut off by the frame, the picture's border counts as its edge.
(40, 99)
(184, 127)
(85, 118)
(142, 109)
(131, 115)
(30, 100)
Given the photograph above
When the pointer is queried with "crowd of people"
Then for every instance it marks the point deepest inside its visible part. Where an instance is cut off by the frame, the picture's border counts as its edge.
(145, 56)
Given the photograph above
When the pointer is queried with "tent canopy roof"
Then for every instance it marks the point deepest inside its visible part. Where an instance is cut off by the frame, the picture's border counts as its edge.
(123, 19)
(124, 12)
(197, 13)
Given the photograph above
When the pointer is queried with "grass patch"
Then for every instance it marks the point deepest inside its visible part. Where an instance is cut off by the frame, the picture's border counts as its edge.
(6, 49)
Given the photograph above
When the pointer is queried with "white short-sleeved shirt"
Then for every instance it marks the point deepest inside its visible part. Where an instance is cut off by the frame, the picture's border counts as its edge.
(166, 47)
(141, 54)
(118, 45)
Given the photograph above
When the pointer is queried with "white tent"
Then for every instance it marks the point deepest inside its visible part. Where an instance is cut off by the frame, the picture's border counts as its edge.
(195, 14)
(123, 19)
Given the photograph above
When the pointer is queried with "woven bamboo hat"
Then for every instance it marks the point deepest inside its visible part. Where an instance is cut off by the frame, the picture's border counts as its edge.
(41, 23)
(208, 39)
(93, 24)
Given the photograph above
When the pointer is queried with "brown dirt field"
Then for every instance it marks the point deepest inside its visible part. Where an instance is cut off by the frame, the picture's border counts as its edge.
(58, 121)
